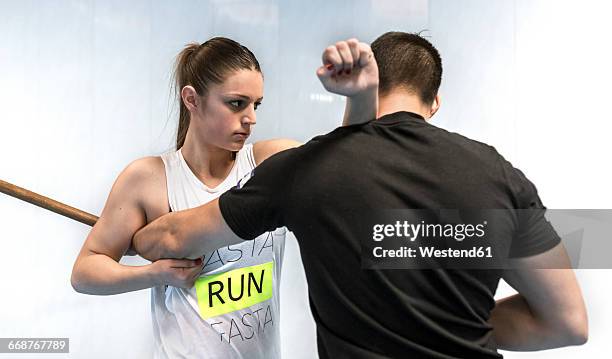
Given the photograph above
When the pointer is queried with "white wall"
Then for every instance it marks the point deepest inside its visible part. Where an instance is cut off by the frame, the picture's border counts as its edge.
(531, 77)
(84, 90)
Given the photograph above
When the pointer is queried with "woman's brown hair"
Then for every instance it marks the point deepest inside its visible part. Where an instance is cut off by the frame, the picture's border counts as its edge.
(200, 65)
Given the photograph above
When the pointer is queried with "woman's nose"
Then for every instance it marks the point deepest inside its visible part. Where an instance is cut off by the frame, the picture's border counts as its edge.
(249, 118)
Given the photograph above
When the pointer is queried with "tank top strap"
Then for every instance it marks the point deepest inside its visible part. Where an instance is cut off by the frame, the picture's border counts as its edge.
(245, 160)
(171, 162)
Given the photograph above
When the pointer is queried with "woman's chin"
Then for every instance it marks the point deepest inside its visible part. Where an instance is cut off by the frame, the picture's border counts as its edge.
(235, 145)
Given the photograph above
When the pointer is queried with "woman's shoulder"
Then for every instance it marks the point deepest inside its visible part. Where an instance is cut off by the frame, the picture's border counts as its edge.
(143, 179)
(264, 149)
(144, 169)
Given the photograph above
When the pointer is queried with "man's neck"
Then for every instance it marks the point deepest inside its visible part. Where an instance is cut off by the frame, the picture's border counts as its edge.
(397, 101)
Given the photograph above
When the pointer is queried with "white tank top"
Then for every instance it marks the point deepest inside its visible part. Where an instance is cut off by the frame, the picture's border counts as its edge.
(233, 310)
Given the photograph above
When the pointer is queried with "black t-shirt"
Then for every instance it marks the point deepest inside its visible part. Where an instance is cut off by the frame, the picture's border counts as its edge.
(320, 190)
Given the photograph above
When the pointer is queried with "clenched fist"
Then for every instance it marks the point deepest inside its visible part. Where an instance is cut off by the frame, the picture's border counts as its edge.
(349, 68)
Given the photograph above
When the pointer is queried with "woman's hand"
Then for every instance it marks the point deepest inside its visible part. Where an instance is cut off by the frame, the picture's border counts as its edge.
(180, 273)
(349, 68)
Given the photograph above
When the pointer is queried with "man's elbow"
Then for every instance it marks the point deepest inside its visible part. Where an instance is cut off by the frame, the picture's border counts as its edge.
(166, 243)
(176, 242)
(576, 329)
(171, 247)
(166, 237)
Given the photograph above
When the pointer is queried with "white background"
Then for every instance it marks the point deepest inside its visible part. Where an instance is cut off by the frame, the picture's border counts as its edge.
(85, 89)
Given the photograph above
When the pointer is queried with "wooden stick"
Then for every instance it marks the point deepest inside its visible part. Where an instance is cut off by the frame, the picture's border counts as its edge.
(47, 203)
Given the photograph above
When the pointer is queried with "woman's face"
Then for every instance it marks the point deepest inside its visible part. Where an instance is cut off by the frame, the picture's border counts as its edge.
(228, 112)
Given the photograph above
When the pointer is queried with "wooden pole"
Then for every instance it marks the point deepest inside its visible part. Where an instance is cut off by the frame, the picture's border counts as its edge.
(47, 203)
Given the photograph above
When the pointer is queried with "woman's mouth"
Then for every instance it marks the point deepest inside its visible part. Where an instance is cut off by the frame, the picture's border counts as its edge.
(241, 135)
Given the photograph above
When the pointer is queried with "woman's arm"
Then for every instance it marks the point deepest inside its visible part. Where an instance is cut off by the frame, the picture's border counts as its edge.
(97, 269)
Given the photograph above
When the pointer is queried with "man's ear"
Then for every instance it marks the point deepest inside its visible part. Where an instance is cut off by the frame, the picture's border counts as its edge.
(190, 97)
(435, 106)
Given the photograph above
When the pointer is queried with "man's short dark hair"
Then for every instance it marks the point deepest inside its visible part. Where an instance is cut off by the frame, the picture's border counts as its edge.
(410, 62)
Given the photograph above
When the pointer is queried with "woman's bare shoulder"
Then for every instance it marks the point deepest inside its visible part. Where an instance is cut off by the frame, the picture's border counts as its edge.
(144, 171)
(145, 179)
(264, 149)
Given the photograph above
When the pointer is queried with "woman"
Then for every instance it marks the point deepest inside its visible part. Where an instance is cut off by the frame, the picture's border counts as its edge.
(224, 305)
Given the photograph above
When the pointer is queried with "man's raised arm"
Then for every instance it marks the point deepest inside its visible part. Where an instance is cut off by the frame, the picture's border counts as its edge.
(349, 69)
(185, 234)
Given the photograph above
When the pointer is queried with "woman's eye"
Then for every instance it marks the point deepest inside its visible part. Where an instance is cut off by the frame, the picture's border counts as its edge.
(236, 103)
(257, 104)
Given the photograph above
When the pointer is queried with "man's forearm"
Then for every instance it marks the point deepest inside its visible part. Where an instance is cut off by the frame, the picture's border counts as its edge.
(361, 107)
(516, 327)
(185, 234)
(156, 240)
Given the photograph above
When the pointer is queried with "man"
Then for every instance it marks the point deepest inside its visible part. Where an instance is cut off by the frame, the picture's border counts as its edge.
(324, 190)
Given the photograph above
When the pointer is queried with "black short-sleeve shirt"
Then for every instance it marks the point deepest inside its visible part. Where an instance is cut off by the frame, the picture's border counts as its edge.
(320, 190)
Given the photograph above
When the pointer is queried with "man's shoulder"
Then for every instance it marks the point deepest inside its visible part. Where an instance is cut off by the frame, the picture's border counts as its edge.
(309, 153)
(460, 142)
(330, 138)
(464, 140)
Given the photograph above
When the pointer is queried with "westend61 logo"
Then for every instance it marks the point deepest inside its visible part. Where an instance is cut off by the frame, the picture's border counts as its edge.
(422, 244)
(412, 231)
(477, 238)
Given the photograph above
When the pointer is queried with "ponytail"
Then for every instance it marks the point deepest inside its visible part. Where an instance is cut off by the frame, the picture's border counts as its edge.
(201, 65)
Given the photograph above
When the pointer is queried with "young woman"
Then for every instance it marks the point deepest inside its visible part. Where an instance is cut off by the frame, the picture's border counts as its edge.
(226, 304)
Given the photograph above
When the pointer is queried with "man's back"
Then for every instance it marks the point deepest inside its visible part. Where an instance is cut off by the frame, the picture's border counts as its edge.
(326, 191)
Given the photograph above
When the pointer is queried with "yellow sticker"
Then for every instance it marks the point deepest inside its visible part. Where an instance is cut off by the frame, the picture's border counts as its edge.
(237, 289)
